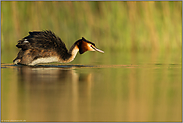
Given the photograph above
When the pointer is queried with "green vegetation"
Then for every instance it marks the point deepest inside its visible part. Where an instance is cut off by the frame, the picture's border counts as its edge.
(130, 26)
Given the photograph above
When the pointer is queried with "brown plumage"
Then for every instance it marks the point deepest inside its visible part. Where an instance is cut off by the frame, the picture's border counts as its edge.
(45, 47)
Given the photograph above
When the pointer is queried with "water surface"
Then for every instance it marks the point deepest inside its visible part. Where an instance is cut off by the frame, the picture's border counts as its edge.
(117, 87)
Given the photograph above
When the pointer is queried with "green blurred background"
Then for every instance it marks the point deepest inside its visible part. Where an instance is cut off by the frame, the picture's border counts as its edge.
(113, 26)
(142, 39)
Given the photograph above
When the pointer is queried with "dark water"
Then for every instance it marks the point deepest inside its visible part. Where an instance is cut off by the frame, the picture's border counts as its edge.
(127, 87)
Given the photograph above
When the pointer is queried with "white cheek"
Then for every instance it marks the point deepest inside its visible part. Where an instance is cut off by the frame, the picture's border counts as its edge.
(90, 48)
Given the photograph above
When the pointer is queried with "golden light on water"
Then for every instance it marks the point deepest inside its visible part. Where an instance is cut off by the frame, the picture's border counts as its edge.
(138, 78)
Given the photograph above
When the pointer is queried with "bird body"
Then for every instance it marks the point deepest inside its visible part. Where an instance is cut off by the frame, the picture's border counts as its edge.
(45, 47)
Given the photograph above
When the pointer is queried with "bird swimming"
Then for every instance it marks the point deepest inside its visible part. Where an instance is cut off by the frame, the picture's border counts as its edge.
(45, 47)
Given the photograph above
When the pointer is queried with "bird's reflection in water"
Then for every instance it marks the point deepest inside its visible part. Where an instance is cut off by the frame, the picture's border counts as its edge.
(37, 75)
(53, 94)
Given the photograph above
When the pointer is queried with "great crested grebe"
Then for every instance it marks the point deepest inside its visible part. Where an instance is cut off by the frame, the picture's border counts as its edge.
(45, 47)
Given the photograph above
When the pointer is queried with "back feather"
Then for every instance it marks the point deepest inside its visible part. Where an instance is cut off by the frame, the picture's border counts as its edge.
(42, 40)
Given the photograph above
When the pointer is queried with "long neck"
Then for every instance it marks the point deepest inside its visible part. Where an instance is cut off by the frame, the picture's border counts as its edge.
(72, 52)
